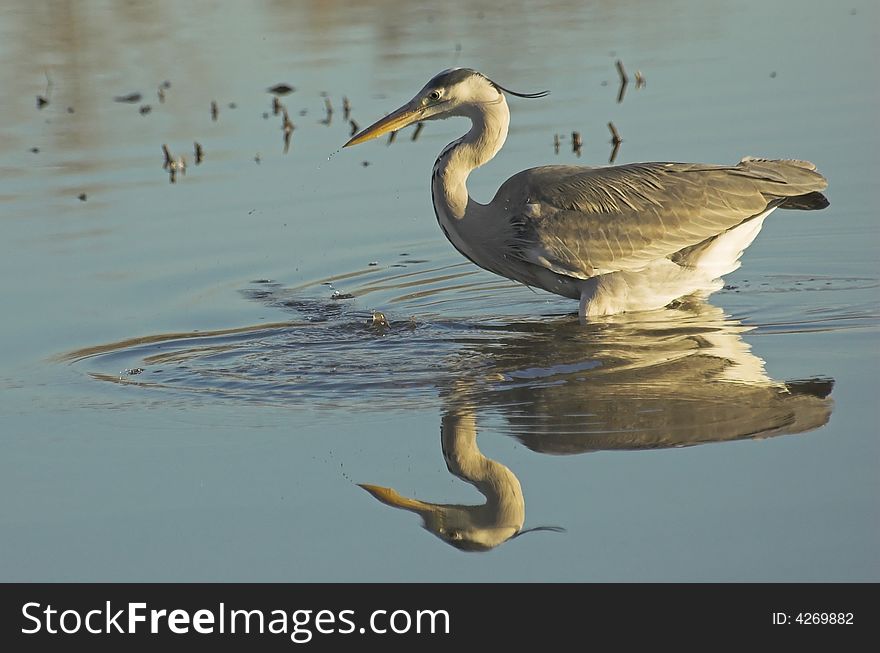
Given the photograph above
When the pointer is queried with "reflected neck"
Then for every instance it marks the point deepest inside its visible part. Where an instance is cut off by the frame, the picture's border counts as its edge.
(505, 505)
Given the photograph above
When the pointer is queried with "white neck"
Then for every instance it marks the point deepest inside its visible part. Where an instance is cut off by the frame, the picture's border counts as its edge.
(486, 136)
(503, 514)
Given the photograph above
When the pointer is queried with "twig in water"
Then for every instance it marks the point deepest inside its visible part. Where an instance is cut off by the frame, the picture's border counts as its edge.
(168, 159)
(281, 89)
(287, 127)
(640, 79)
(131, 98)
(43, 100)
(576, 143)
(615, 137)
(622, 72)
(614, 153)
(616, 140)
(624, 80)
(177, 166)
(328, 109)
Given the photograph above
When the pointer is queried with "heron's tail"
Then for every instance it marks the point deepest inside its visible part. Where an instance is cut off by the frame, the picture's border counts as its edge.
(808, 202)
(794, 184)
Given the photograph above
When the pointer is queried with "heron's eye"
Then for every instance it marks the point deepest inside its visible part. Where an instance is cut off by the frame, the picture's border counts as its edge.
(434, 96)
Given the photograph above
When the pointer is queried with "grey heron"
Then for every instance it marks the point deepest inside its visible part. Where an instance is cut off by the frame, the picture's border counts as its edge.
(618, 238)
(469, 527)
(677, 377)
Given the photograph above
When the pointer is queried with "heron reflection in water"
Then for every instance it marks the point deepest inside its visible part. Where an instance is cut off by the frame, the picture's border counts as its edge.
(674, 378)
(618, 239)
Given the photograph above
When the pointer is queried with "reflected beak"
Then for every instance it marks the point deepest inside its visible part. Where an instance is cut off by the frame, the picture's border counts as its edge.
(405, 115)
(391, 498)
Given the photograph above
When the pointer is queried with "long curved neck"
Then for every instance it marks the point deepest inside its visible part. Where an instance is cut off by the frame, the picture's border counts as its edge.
(505, 506)
(486, 136)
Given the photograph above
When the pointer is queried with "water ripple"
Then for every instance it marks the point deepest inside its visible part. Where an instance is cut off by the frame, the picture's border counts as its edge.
(450, 326)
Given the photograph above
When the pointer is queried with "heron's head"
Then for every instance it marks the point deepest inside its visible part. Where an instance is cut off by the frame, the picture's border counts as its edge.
(468, 528)
(454, 92)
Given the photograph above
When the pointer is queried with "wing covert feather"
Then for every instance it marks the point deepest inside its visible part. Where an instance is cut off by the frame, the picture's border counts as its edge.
(585, 221)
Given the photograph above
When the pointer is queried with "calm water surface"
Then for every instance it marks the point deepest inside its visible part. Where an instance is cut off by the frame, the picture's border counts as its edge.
(276, 368)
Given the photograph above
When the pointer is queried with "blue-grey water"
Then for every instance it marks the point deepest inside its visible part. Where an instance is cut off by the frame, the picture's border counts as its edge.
(197, 377)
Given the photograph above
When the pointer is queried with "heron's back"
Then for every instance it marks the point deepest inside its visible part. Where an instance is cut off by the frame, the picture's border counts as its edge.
(617, 229)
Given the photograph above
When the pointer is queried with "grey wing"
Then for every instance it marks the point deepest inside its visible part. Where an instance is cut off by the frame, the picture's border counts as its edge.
(586, 221)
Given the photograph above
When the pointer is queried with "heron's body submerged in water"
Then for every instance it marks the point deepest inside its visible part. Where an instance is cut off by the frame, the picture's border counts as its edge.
(623, 238)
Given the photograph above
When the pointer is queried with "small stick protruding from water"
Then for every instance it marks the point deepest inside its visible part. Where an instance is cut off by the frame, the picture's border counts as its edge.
(624, 80)
(161, 93)
(276, 105)
(621, 71)
(328, 109)
(640, 79)
(354, 127)
(198, 152)
(418, 130)
(177, 166)
(131, 98)
(556, 143)
(391, 137)
(576, 143)
(172, 165)
(614, 153)
(43, 100)
(615, 137)
(346, 108)
(616, 140)
(215, 111)
(168, 159)
(287, 127)
(281, 89)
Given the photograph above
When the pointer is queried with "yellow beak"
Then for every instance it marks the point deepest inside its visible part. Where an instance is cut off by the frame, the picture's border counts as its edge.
(405, 115)
(390, 497)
